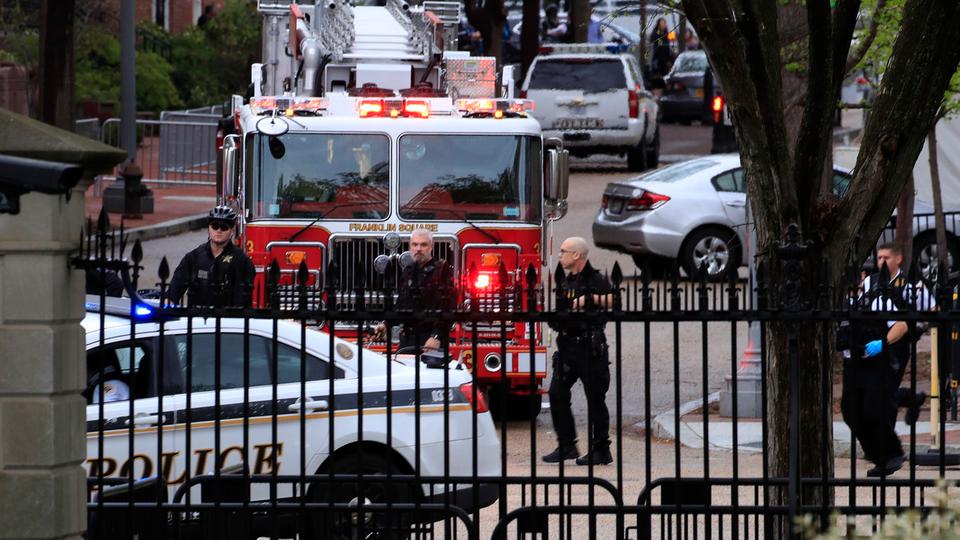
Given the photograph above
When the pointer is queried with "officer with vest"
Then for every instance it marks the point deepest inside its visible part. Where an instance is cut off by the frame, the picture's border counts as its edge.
(427, 284)
(581, 354)
(875, 357)
(216, 273)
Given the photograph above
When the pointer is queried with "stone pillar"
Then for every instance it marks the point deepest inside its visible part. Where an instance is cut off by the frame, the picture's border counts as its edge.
(42, 370)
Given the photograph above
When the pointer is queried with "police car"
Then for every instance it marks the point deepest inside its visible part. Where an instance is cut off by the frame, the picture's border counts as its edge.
(182, 427)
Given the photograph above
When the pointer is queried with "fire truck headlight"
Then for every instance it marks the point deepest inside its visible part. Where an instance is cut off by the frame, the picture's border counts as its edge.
(406, 259)
(391, 241)
(380, 263)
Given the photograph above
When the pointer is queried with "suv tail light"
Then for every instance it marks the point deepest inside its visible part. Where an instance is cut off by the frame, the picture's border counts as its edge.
(480, 406)
(634, 101)
(647, 201)
(523, 94)
(604, 201)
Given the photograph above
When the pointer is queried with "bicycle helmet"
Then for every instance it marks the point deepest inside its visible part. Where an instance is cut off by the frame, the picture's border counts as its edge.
(223, 213)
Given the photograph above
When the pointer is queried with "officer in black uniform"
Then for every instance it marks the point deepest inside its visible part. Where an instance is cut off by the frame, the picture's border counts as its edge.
(216, 273)
(875, 355)
(427, 284)
(581, 354)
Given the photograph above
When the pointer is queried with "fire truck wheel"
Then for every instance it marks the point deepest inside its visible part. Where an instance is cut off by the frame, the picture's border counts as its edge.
(519, 407)
(343, 524)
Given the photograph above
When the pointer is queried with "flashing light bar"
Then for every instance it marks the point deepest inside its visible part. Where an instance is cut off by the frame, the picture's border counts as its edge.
(587, 48)
(497, 108)
(289, 105)
(393, 108)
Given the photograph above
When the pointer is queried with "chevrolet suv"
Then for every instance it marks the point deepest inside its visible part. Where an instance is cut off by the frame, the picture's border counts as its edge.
(592, 97)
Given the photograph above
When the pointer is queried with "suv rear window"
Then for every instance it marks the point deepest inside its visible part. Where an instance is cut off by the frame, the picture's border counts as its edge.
(587, 74)
(688, 62)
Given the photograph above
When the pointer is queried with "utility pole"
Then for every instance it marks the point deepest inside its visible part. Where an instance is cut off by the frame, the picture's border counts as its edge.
(56, 63)
(128, 78)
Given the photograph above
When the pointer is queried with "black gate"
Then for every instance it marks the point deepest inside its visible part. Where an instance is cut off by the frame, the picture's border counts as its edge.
(261, 422)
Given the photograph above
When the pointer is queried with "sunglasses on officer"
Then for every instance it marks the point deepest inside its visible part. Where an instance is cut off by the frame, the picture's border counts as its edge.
(221, 225)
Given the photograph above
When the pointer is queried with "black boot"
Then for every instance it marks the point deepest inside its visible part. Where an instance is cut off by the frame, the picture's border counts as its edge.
(599, 456)
(562, 453)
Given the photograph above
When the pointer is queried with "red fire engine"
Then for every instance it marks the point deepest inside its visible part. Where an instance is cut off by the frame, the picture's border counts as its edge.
(365, 124)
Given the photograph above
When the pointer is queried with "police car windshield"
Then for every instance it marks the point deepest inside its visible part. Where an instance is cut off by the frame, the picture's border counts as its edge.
(587, 74)
(470, 177)
(308, 175)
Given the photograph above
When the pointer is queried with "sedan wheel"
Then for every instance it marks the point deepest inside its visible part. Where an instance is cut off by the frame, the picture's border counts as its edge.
(714, 248)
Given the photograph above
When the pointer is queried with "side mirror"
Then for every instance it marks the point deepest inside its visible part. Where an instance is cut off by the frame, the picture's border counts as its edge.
(231, 169)
(557, 171)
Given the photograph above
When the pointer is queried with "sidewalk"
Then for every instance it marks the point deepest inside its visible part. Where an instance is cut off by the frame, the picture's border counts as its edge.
(177, 208)
(750, 431)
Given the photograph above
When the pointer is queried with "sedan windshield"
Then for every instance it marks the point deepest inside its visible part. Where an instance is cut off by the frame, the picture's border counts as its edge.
(312, 175)
(587, 74)
(470, 177)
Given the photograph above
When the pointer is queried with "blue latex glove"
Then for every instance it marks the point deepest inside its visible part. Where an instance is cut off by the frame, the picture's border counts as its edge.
(873, 348)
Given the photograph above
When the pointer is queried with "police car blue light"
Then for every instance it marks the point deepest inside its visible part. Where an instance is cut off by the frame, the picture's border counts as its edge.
(141, 311)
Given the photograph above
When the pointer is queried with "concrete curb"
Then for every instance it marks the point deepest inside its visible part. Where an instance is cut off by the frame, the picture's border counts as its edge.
(664, 428)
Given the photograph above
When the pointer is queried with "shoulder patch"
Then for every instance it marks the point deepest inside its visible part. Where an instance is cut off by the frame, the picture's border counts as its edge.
(344, 351)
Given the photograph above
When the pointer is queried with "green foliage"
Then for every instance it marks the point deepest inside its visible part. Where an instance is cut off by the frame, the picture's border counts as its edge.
(19, 37)
(942, 522)
(97, 75)
(206, 65)
(213, 62)
(877, 57)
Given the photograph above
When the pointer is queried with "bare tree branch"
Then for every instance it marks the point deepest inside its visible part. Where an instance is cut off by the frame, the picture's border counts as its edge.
(844, 24)
(857, 54)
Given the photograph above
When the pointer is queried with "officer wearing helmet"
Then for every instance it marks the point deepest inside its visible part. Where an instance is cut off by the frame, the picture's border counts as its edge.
(216, 273)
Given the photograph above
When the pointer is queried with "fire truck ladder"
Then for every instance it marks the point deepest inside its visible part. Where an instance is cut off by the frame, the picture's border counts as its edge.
(403, 32)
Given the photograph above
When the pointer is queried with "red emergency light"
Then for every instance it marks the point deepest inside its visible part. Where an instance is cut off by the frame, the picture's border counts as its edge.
(370, 107)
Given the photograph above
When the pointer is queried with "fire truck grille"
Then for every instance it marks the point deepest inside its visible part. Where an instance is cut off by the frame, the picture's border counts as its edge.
(354, 258)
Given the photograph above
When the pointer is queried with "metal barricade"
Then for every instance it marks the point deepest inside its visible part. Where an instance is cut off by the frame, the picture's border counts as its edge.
(173, 151)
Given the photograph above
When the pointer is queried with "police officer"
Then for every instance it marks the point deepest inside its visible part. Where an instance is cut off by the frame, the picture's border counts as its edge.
(875, 355)
(216, 273)
(427, 284)
(581, 354)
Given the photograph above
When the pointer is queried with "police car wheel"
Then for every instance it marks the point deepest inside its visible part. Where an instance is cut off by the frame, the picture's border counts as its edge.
(361, 523)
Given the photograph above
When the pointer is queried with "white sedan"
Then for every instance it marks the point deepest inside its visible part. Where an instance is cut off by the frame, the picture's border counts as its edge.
(357, 414)
(693, 211)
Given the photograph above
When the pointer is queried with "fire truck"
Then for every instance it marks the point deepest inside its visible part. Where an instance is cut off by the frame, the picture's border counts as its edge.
(363, 124)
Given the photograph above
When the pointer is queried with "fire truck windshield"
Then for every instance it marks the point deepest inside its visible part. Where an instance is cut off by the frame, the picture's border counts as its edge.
(312, 175)
(471, 177)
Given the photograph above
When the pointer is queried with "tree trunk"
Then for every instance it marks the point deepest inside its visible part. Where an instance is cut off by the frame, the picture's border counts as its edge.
(529, 34)
(943, 255)
(56, 63)
(904, 230)
(643, 37)
(488, 19)
(580, 20)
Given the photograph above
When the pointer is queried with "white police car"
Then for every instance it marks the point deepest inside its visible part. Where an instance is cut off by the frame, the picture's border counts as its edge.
(182, 427)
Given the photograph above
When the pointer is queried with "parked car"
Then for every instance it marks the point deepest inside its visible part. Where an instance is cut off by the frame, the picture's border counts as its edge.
(693, 211)
(685, 95)
(249, 407)
(595, 101)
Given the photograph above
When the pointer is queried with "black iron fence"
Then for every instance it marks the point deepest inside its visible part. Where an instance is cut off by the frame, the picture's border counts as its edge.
(262, 422)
